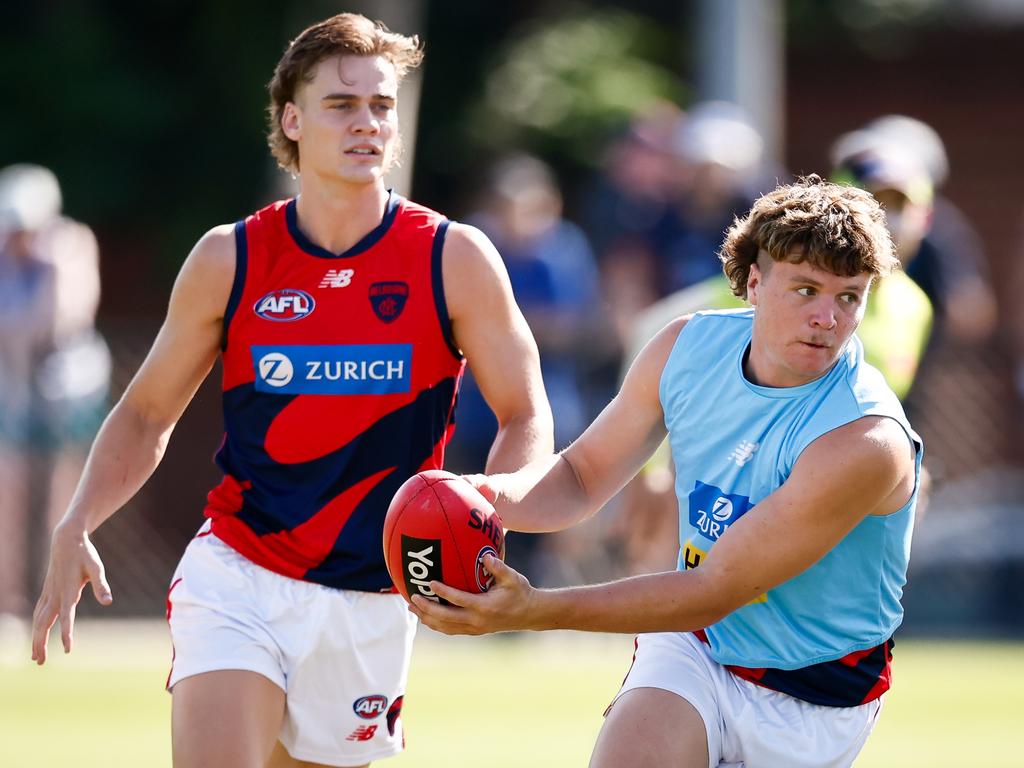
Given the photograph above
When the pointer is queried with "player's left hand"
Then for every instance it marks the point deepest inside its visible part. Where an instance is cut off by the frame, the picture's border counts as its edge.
(504, 607)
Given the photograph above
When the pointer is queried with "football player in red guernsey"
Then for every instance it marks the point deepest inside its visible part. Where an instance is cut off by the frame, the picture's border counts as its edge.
(344, 318)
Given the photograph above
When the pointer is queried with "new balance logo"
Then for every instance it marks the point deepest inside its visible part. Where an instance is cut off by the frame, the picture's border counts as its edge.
(362, 733)
(337, 278)
(744, 452)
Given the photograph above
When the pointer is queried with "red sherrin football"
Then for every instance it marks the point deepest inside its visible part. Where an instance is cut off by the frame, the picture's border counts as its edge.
(438, 528)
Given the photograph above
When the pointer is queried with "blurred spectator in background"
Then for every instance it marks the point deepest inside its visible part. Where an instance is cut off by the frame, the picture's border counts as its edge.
(635, 185)
(54, 369)
(625, 213)
(717, 172)
(693, 173)
(902, 161)
(681, 178)
(554, 278)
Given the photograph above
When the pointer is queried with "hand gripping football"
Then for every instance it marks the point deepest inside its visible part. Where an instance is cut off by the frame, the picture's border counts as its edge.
(438, 528)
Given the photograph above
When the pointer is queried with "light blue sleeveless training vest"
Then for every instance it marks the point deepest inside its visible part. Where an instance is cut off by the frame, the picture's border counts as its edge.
(733, 444)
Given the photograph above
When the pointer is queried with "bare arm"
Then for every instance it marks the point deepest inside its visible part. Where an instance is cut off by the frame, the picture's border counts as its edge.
(865, 467)
(133, 437)
(491, 331)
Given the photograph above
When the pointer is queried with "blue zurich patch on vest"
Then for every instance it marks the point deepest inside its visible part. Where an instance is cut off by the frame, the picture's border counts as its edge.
(712, 510)
(333, 369)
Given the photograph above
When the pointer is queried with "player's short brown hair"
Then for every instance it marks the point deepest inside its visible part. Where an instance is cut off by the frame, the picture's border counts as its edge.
(346, 34)
(836, 228)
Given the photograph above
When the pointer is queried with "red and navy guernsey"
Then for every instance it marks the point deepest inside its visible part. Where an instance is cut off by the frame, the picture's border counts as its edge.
(340, 381)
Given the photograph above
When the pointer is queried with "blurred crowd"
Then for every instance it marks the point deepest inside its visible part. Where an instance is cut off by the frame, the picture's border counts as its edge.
(640, 248)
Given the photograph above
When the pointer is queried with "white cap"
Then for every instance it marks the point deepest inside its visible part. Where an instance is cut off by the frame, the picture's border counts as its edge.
(905, 134)
(918, 136)
(29, 196)
(720, 132)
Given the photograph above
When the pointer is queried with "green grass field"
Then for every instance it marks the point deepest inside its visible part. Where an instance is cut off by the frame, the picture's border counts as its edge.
(501, 702)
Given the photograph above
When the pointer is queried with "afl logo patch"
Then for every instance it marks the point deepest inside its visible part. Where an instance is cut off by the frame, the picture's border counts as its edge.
(369, 707)
(285, 305)
(388, 299)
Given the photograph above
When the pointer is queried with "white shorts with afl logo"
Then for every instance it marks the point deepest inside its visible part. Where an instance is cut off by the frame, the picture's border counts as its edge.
(342, 657)
(749, 726)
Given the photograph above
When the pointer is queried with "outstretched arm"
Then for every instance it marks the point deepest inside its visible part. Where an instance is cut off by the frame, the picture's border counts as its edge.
(133, 437)
(494, 336)
(865, 467)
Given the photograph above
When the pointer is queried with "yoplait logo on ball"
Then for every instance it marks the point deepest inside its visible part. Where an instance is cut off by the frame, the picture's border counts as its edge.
(421, 564)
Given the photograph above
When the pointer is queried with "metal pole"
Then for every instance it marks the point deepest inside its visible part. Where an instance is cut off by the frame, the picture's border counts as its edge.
(741, 47)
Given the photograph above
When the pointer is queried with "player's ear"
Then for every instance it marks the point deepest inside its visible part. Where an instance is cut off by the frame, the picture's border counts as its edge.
(291, 121)
(754, 278)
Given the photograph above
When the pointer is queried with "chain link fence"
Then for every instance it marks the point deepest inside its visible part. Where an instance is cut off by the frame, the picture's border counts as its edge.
(968, 553)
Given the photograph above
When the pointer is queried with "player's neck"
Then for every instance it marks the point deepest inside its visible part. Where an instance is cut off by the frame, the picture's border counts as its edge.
(338, 218)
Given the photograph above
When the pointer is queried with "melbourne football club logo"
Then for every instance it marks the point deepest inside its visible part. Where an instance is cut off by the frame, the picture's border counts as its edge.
(484, 579)
(275, 369)
(285, 305)
(712, 510)
(388, 299)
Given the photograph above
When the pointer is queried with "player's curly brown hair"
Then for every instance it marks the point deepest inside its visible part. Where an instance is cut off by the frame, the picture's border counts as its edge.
(346, 34)
(836, 228)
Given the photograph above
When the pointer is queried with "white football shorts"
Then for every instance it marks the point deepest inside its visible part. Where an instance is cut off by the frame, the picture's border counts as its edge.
(749, 726)
(342, 657)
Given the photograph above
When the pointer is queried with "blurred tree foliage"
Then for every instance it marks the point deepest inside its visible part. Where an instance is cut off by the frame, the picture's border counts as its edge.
(150, 114)
(557, 85)
(881, 28)
(562, 87)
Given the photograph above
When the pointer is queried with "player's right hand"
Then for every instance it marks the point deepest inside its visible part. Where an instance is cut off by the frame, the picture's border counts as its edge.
(73, 562)
(505, 607)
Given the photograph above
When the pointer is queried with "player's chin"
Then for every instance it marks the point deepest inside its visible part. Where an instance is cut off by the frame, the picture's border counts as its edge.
(813, 361)
(361, 174)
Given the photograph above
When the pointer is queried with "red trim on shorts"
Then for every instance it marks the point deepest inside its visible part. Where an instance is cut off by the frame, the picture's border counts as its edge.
(170, 607)
(636, 645)
(854, 679)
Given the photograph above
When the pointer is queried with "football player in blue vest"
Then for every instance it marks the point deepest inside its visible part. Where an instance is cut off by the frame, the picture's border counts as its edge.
(797, 478)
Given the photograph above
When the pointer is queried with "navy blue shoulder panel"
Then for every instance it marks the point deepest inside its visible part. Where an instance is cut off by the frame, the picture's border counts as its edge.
(241, 260)
(437, 279)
